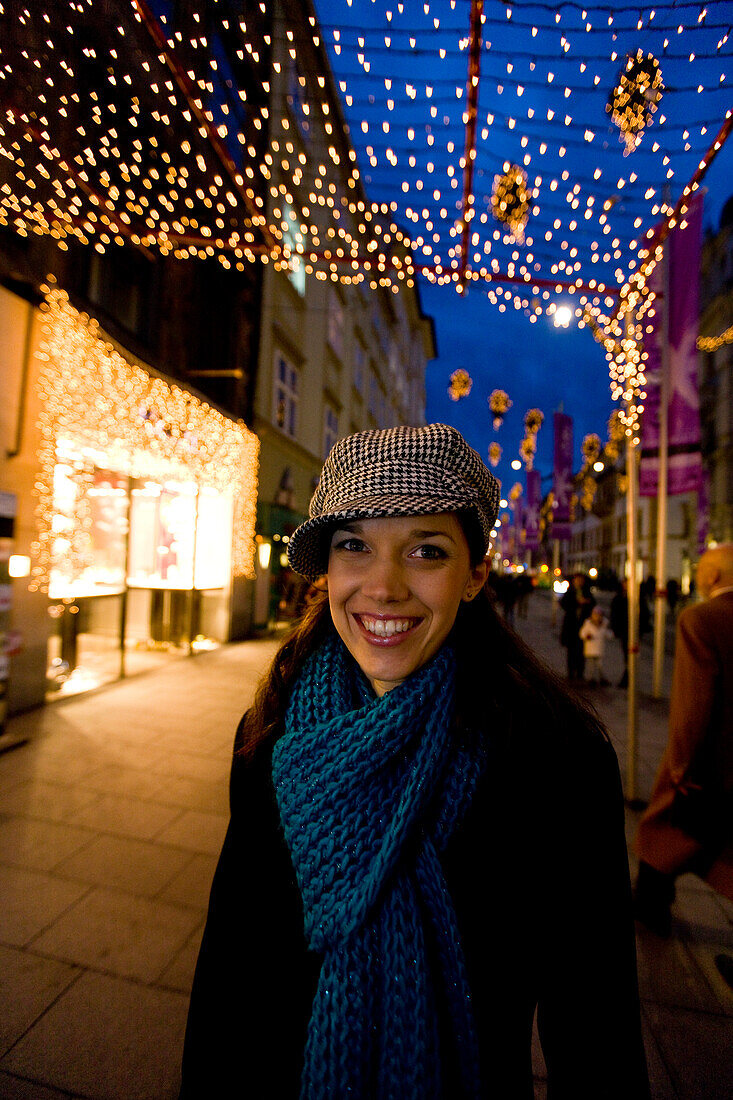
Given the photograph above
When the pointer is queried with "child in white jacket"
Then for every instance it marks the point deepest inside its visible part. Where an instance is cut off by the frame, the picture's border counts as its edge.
(594, 632)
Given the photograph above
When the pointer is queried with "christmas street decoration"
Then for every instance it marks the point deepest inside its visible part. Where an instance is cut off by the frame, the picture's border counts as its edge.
(591, 447)
(510, 199)
(636, 97)
(460, 384)
(495, 453)
(533, 420)
(499, 404)
(527, 450)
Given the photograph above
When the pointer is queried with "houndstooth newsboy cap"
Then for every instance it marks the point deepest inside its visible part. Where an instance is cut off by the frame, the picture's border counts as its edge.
(394, 472)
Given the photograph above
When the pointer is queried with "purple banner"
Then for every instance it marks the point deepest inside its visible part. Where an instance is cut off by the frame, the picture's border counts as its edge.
(685, 463)
(532, 511)
(562, 483)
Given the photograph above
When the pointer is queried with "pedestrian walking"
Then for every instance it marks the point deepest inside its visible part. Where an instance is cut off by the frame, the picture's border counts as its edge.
(427, 834)
(525, 586)
(508, 592)
(619, 615)
(673, 594)
(593, 633)
(688, 824)
(577, 604)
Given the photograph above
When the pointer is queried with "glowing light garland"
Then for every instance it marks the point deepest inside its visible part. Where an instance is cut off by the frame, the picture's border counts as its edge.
(712, 343)
(116, 415)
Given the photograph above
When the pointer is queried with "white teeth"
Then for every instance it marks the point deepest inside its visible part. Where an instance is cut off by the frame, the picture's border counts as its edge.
(386, 628)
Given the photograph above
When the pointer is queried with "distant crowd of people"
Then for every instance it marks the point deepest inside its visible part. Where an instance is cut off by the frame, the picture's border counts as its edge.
(511, 593)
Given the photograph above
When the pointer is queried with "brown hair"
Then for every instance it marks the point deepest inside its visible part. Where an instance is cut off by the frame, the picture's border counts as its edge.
(498, 677)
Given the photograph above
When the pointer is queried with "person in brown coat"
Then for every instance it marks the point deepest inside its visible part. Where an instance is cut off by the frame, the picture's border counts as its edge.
(688, 824)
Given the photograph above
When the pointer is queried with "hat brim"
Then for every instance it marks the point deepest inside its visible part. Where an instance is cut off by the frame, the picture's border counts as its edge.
(308, 546)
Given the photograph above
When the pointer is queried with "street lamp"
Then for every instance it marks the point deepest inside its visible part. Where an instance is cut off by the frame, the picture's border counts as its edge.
(562, 316)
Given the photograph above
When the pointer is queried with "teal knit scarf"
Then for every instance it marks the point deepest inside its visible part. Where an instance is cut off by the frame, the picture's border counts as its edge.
(370, 791)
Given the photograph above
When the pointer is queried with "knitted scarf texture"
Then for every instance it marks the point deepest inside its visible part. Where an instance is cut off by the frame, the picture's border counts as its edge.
(369, 792)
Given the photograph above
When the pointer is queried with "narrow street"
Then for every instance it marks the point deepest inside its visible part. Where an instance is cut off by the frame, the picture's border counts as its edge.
(112, 816)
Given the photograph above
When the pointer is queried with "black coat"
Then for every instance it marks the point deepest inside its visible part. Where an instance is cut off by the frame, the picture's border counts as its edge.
(539, 877)
(575, 612)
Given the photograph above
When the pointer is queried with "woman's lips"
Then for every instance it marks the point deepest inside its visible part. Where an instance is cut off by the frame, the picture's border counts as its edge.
(385, 631)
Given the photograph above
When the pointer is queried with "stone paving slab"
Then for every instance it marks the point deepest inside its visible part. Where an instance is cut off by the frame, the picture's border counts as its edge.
(108, 1039)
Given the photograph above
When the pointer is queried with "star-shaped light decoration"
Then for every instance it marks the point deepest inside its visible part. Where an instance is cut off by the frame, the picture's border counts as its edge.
(499, 403)
(460, 384)
(636, 97)
(511, 198)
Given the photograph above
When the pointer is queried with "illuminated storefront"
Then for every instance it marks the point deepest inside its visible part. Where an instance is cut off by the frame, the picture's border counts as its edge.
(146, 509)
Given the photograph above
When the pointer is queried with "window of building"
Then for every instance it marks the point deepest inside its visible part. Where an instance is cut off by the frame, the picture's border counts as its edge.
(285, 396)
(330, 428)
(336, 324)
(120, 283)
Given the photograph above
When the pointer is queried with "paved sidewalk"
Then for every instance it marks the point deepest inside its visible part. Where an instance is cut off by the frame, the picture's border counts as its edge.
(111, 818)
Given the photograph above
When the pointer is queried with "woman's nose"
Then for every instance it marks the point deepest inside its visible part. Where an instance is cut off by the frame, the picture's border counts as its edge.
(384, 580)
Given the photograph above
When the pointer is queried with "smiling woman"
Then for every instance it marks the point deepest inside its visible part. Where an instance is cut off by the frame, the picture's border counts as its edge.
(394, 589)
(427, 843)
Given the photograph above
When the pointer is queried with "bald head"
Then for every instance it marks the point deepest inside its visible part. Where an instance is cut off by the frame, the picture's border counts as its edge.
(715, 569)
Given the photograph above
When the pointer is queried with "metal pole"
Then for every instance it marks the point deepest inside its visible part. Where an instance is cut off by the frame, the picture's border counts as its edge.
(555, 567)
(632, 589)
(660, 594)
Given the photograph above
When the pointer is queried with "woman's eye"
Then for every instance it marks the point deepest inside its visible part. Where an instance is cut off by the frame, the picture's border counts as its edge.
(352, 544)
(429, 552)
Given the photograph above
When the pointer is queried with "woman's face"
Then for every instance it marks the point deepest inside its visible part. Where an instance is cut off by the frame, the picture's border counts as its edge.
(394, 587)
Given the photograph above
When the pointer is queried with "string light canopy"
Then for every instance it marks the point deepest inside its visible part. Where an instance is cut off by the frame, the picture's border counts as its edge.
(110, 413)
(186, 131)
(636, 97)
(193, 131)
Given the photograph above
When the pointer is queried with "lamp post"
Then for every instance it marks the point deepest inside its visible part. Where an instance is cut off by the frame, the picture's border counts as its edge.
(660, 602)
(632, 587)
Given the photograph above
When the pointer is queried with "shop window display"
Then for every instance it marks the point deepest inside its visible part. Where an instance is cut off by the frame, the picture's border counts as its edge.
(148, 561)
(87, 580)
